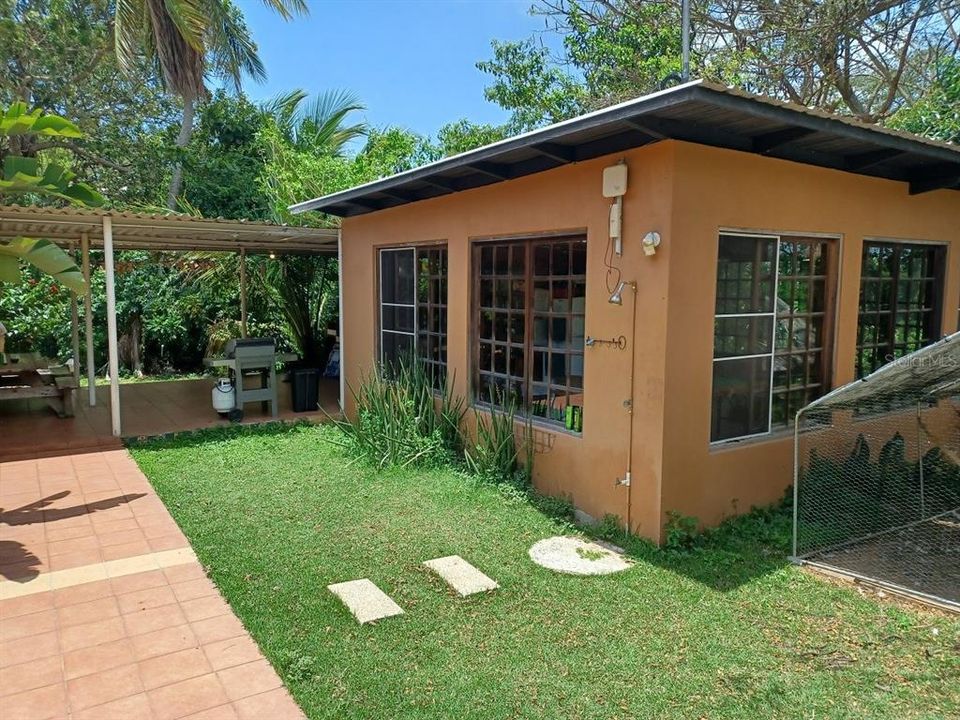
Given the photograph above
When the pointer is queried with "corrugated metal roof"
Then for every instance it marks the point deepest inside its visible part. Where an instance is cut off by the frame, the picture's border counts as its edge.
(159, 231)
(697, 112)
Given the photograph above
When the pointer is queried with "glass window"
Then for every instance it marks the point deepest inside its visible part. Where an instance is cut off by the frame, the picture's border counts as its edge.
(901, 291)
(413, 308)
(771, 332)
(530, 303)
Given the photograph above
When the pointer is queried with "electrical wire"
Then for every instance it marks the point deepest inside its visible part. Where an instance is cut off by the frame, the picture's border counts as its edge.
(612, 270)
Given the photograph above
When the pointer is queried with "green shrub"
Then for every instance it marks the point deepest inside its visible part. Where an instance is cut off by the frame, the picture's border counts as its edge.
(400, 422)
(497, 456)
(681, 532)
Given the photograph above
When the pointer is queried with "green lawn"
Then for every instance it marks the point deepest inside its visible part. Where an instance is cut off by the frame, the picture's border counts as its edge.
(729, 631)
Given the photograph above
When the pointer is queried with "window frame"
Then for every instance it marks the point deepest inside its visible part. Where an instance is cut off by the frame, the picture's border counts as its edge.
(528, 243)
(829, 315)
(938, 311)
(415, 305)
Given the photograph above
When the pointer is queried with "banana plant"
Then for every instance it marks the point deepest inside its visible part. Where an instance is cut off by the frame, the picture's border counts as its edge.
(23, 175)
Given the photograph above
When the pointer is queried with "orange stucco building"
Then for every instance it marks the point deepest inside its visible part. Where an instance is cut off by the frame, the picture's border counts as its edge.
(778, 275)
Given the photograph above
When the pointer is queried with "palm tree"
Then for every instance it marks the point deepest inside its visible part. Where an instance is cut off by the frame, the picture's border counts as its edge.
(189, 40)
(320, 125)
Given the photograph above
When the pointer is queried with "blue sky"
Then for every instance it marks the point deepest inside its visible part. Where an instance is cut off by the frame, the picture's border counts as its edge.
(411, 62)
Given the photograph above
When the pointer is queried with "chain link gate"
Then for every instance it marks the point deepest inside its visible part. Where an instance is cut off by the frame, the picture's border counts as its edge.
(877, 476)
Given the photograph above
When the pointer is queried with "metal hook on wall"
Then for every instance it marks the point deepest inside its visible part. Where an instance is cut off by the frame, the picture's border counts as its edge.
(620, 343)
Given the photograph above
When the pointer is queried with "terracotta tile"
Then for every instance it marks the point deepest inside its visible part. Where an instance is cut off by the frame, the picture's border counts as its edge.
(275, 704)
(95, 633)
(120, 538)
(25, 571)
(88, 612)
(103, 687)
(97, 658)
(138, 581)
(167, 542)
(114, 552)
(40, 704)
(115, 526)
(160, 529)
(25, 605)
(39, 646)
(28, 625)
(60, 547)
(167, 669)
(217, 628)
(205, 607)
(144, 621)
(249, 679)
(134, 707)
(146, 599)
(187, 697)
(231, 652)
(163, 642)
(82, 593)
(184, 573)
(76, 558)
(30, 675)
(223, 712)
(193, 589)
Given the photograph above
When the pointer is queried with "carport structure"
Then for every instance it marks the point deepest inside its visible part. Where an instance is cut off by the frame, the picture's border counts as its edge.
(111, 230)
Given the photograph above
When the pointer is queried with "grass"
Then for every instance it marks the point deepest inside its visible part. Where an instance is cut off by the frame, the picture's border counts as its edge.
(727, 630)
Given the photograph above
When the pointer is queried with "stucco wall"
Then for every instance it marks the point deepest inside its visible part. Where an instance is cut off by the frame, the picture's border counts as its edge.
(687, 193)
(570, 198)
(721, 189)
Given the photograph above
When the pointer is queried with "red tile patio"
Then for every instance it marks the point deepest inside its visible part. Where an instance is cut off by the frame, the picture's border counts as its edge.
(105, 612)
(29, 428)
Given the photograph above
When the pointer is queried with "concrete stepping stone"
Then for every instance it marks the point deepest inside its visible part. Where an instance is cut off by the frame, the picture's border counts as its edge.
(461, 575)
(365, 600)
(575, 556)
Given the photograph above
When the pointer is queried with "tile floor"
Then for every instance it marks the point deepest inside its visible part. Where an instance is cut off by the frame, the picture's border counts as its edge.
(29, 428)
(105, 612)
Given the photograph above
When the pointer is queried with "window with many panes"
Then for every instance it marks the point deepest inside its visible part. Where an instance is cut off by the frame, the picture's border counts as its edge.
(772, 330)
(901, 291)
(413, 308)
(529, 302)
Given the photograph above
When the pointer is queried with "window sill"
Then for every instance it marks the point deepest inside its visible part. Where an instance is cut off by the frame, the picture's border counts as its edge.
(775, 436)
(536, 422)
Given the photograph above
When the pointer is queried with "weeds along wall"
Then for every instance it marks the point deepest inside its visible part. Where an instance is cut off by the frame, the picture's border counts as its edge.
(878, 475)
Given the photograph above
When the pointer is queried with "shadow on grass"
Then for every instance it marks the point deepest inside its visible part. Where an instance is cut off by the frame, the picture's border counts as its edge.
(737, 552)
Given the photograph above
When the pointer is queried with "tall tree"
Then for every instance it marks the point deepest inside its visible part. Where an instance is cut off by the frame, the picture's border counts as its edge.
(189, 40)
(864, 58)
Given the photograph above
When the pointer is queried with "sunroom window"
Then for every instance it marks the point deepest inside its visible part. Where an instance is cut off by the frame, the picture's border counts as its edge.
(772, 329)
(529, 303)
(413, 308)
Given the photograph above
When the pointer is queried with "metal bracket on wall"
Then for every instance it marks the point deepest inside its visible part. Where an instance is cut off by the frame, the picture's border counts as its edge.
(620, 343)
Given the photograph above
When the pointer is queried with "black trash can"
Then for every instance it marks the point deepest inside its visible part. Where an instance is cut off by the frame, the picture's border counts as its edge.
(304, 389)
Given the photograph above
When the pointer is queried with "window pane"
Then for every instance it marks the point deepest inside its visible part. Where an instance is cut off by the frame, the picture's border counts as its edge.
(397, 276)
(745, 270)
(398, 318)
(396, 347)
(749, 335)
(741, 398)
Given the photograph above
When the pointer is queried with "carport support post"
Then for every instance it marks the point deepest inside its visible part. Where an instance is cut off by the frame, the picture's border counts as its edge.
(74, 326)
(114, 356)
(243, 292)
(88, 320)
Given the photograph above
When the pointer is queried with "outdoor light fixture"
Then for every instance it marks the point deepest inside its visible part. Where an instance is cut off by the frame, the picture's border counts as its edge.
(617, 297)
(273, 256)
(650, 243)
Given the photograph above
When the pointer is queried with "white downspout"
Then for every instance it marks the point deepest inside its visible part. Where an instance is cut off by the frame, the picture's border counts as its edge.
(343, 381)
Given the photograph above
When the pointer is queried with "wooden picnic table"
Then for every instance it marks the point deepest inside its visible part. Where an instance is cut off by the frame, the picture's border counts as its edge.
(30, 375)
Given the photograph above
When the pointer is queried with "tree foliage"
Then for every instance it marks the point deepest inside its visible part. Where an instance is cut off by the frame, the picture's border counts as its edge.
(865, 58)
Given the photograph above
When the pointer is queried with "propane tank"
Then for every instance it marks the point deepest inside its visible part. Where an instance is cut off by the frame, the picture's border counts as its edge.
(224, 396)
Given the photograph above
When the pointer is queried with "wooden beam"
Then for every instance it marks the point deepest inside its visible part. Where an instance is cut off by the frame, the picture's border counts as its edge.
(768, 141)
(863, 161)
(88, 320)
(561, 153)
(114, 353)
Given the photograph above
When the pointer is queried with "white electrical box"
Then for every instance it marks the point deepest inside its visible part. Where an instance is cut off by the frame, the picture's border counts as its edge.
(615, 181)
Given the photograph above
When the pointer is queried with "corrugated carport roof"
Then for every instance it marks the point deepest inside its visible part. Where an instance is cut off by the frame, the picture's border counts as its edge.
(156, 231)
(696, 112)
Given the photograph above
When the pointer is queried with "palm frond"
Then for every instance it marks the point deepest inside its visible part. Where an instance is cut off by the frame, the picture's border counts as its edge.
(321, 124)
(288, 8)
(232, 51)
(283, 108)
(129, 32)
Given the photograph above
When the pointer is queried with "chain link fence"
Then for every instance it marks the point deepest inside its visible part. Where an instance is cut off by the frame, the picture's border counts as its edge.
(877, 476)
